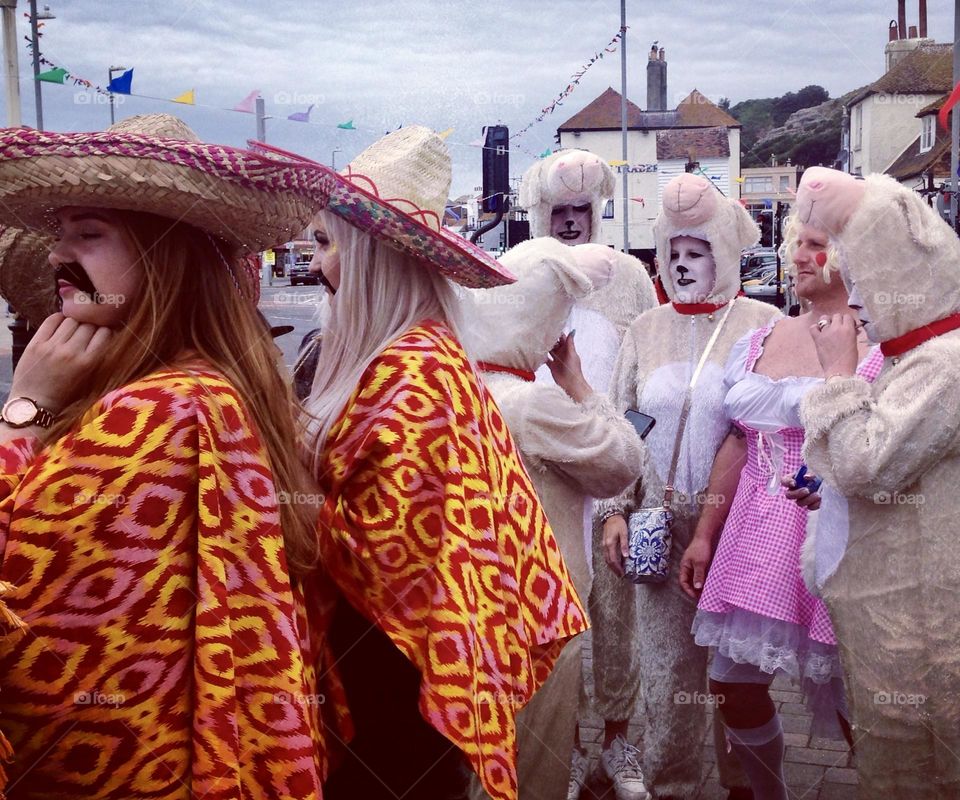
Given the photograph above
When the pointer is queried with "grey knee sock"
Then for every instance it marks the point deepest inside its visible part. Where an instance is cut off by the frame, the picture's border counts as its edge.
(760, 750)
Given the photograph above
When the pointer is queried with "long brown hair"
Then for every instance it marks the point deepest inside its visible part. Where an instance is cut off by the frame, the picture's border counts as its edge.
(190, 307)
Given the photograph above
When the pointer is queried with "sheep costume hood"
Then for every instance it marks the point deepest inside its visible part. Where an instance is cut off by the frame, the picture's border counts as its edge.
(572, 452)
(568, 177)
(870, 219)
(692, 206)
(893, 449)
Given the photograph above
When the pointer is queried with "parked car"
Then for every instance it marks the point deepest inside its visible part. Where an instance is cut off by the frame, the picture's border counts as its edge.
(765, 289)
(756, 263)
(300, 273)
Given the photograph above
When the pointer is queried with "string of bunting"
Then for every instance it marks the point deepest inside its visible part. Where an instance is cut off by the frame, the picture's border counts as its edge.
(57, 74)
(574, 82)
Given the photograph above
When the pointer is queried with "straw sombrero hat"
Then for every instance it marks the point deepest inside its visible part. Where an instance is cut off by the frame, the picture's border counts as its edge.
(396, 190)
(155, 164)
(26, 276)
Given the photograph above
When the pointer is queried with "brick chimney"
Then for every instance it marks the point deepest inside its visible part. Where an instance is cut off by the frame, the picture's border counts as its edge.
(657, 79)
(903, 39)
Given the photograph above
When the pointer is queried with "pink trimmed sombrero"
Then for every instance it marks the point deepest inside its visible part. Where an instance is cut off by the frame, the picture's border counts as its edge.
(155, 164)
(396, 190)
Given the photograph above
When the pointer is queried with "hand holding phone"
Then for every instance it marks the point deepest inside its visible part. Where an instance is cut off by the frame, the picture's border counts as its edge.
(803, 482)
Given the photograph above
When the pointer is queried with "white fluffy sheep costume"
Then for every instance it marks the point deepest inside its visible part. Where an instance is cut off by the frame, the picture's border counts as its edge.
(650, 645)
(571, 451)
(893, 448)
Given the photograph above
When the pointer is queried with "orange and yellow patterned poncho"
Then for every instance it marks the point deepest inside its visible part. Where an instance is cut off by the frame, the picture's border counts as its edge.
(163, 651)
(432, 529)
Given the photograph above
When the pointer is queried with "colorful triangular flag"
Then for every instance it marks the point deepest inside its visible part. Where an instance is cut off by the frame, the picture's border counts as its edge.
(249, 103)
(446, 133)
(122, 84)
(187, 98)
(301, 116)
(617, 163)
(347, 126)
(545, 153)
(53, 75)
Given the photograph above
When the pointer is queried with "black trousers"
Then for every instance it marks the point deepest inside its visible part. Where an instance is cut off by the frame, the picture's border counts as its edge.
(396, 754)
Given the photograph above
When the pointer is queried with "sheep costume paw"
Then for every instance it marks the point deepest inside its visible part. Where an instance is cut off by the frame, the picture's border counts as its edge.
(893, 449)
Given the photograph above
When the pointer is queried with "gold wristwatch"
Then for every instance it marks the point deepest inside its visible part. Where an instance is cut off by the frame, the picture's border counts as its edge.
(22, 412)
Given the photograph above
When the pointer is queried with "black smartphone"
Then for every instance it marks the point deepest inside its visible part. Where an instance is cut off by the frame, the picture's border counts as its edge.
(642, 423)
(803, 482)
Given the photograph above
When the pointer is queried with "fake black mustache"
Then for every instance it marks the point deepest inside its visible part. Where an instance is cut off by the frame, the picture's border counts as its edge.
(323, 280)
(75, 274)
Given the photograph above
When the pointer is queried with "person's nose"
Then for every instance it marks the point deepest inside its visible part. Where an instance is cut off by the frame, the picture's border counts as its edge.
(59, 254)
(682, 269)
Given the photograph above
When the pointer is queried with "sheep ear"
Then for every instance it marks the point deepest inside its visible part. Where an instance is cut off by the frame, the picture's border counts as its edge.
(922, 222)
(608, 186)
(530, 186)
(747, 230)
(574, 279)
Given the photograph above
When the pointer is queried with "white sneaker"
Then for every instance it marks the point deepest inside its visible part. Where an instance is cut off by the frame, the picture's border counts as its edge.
(578, 774)
(620, 765)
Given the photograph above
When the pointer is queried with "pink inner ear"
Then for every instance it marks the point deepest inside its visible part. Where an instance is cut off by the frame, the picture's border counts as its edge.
(815, 185)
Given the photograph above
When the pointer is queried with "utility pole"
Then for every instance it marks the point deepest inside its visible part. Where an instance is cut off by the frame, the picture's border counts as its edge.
(625, 174)
(37, 91)
(110, 75)
(11, 67)
(262, 120)
(955, 117)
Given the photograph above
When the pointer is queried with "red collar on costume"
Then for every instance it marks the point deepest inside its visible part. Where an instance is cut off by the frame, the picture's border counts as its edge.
(524, 374)
(700, 308)
(901, 344)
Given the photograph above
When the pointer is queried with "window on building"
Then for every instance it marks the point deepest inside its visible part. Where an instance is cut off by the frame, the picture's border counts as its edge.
(758, 184)
(927, 135)
(608, 209)
(784, 184)
(856, 126)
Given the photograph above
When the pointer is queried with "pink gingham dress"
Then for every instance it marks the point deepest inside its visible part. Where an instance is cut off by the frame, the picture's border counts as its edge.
(755, 607)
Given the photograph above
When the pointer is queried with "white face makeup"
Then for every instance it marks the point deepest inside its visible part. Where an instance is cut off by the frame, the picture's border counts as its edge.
(571, 224)
(692, 269)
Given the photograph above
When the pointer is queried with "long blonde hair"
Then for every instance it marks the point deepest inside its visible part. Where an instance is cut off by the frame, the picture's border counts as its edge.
(382, 294)
(189, 308)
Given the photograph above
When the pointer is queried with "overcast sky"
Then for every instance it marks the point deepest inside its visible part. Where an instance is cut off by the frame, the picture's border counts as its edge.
(382, 63)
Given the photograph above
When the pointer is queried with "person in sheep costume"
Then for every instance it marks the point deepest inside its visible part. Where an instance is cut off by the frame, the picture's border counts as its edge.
(647, 648)
(573, 445)
(893, 449)
(564, 196)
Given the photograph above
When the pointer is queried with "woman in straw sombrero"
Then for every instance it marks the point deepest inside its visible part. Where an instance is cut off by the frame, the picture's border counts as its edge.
(455, 600)
(146, 441)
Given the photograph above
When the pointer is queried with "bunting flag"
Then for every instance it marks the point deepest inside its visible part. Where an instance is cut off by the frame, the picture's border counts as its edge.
(944, 112)
(301, 116)
(55, 75)
(545, 153)
(741, 179)
(122, 84)
(445, 133)
(639, 200)
(187, 98)
(618, 163)
(76, 80)
(574, 82)
(347, 126)
(476, 143)
(249, 103)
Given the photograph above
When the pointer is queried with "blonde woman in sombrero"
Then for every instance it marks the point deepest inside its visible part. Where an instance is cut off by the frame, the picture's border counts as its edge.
(144, 446)
(455, 600)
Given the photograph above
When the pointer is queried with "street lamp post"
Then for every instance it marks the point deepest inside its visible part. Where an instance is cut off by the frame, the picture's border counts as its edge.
(110, 74)
(11, 67)
(333, 158)
(35, 35)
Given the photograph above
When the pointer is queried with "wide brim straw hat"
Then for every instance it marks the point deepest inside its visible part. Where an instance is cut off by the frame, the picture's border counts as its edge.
(26, 276)
(155, 164)
(396, 190)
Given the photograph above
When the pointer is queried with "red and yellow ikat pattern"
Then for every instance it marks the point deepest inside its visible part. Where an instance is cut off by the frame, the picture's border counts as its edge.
(163, 652)
(433, 530)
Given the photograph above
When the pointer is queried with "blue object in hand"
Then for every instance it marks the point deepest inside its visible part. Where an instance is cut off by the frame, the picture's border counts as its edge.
(803, 482)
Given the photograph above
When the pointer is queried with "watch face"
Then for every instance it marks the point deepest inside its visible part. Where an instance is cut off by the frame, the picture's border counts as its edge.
(20, 411)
